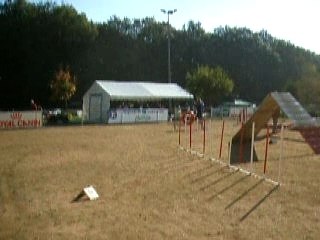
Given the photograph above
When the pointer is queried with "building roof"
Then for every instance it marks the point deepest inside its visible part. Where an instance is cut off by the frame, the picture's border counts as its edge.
(143, 90)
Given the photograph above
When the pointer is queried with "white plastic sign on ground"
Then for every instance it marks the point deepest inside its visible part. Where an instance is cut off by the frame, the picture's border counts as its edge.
(91, 193)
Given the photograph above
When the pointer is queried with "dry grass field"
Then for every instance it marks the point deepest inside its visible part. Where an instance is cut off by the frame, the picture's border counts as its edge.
(149, 189)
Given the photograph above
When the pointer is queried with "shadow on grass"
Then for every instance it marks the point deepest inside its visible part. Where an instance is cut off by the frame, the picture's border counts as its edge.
(81, 197)
(217, 180)
(244, 194)
(197, 171)
(171, 161)
(277, 138)
(228, 187)
(294, 140)
(295, 157)
(207, 175)
(259, 203)
(176, 166)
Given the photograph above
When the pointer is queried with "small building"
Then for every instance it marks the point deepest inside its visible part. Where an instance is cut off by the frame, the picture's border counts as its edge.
(123, 102)
(233, 109)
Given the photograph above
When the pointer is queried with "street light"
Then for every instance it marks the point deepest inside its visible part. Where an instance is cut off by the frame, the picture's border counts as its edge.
(169, 12)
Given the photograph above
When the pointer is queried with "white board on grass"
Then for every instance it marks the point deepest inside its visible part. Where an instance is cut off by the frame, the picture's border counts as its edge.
(91, 192)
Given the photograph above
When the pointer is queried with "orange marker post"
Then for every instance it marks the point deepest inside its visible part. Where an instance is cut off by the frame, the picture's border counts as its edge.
(221, 140)
(266, 152)
(190, 134)
(179, 132)
(204, 135)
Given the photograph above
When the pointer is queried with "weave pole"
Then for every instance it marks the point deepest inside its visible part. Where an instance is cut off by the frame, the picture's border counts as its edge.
(221, 139)
(190, 134)
(252, 146)
(204, 135)
(229, 152)
(241, 144)
(281, 151)
(246, 110)
(237, 168)
(211, 138)
(243, 115)
(179, 131)
(197, 120)
(185, 132)
(266, 152)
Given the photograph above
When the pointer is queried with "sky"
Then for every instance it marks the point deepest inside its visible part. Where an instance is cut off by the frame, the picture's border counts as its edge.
(290, 20)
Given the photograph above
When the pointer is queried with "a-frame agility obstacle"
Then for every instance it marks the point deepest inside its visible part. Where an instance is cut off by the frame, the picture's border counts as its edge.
(270, 108)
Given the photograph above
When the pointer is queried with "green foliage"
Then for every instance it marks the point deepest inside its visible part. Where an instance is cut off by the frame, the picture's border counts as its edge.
(35, 38)
(211, 84)
(308, 92)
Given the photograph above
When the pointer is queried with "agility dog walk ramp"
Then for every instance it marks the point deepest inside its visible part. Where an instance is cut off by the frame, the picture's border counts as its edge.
(293, 110)
(270, 108)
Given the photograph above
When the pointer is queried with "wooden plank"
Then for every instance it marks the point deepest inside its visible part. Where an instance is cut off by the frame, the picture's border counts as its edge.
(261, 117)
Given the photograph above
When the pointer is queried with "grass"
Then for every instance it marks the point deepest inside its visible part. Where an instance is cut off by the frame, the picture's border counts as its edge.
(148, 188)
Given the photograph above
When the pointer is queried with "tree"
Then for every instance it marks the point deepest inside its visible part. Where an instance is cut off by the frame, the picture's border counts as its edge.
(36, 37)
(308, 92)
(211, 84)
(63, 86)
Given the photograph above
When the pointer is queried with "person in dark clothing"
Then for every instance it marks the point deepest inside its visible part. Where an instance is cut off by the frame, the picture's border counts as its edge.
(200, 111)
(33, 105)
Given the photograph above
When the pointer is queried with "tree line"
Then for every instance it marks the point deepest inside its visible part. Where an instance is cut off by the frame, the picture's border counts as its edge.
(38, 39)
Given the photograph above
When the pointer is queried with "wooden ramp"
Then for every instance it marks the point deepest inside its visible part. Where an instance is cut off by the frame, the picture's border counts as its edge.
(270, 108)
(293, 110)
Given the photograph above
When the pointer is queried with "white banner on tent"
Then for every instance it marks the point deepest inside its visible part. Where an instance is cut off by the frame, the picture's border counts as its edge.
(20, 119)
(133, 115)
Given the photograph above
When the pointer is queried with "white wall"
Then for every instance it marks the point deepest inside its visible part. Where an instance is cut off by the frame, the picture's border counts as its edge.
(20, 119)
(133, 115)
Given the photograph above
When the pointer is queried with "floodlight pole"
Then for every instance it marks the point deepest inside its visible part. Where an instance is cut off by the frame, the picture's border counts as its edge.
(169, 12)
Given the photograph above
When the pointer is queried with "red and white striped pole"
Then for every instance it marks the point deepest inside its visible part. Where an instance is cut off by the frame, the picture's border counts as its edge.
(241, 144)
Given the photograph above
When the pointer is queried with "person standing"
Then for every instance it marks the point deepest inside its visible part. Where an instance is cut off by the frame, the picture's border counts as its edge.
(33, 105)
(200, 111)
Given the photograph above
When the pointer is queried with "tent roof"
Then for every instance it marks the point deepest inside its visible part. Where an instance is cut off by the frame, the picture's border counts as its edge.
(143, 90)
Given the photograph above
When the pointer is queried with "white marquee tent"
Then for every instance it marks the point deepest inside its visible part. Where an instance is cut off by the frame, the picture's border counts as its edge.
(97, 100)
